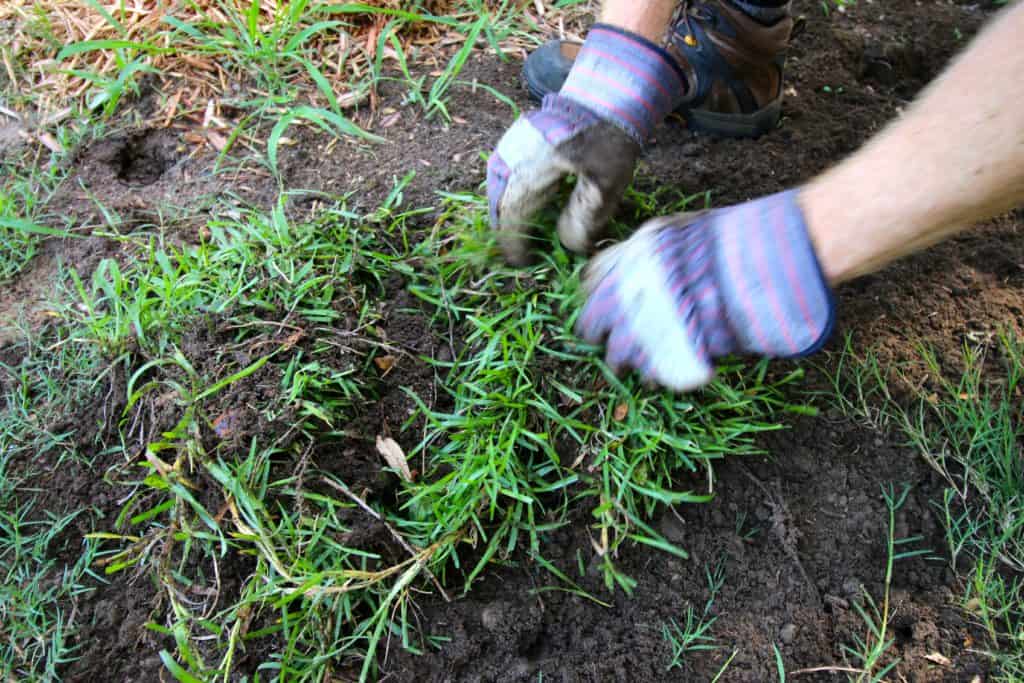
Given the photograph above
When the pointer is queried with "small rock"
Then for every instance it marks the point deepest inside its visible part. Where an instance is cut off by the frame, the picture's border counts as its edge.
(851, 586)
(671, 528)
(493, 616)
(837, 602)
(787, 633)
(520, 668)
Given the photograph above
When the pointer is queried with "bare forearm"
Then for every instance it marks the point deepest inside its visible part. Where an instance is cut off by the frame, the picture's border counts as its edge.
(955, 158)
(649, 19)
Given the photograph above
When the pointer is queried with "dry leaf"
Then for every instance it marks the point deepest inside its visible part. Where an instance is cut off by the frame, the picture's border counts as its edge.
(394, 455)
(218, 141)
(936, 658)
(385, 363)
(351, 99)
(621, 411)
(292, 339)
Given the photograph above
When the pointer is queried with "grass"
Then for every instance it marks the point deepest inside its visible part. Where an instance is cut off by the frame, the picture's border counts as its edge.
(693, 635)
(537, 421)
(297, 307)
(528, 425)
(227, 374)
(27, 181)
(967, 429)
(36, 590)
(870, 654)
(44, 564)
(246, 67)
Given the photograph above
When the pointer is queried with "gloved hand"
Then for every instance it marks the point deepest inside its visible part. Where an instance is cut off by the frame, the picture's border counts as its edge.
(692, 287)
(620, 87)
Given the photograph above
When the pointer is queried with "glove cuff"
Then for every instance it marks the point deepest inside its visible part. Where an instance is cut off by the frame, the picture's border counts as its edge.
(775, 295)
(626, 80)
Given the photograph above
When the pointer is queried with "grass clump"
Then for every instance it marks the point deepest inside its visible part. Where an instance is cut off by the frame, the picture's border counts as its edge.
(870, 654)
(167, 337)
(971, 432)
(535, 420)
(527, 424)
(251, 70)
(36, 589)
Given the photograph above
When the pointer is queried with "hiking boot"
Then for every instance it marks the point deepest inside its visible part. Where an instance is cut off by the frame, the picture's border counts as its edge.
(733, 66)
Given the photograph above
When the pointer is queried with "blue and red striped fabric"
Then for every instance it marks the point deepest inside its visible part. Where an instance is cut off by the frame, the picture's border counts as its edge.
(625, 79)
(747, 279)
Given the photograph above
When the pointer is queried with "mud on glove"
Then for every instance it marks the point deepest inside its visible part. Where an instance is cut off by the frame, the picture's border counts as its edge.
(620, 87)
(688, 288)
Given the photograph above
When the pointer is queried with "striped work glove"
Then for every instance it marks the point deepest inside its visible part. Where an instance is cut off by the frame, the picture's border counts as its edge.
(620, 87)
(692, 287)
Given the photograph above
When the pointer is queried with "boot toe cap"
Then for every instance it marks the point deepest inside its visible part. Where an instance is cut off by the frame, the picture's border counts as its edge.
(548, 66)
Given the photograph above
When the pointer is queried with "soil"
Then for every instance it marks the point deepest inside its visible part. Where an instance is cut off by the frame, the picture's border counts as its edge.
(799, 532)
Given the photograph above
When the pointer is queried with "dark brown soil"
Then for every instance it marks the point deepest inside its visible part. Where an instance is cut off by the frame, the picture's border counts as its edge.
(798, 532)
(818, 524)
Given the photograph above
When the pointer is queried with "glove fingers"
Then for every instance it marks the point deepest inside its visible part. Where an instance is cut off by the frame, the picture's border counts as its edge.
(592, 204)
(630, 302)
(522, 176)
(623, 348)
(597, 317)
(679, 369)
(530, 186)
(603, 158)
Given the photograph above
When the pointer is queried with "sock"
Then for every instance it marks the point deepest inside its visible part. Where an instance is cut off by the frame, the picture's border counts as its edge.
(762, 11)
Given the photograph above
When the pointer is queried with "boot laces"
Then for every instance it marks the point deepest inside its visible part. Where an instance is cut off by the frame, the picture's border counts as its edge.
(689, 11)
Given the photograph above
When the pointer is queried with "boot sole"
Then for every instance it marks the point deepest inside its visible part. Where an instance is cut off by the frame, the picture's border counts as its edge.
(753, 125)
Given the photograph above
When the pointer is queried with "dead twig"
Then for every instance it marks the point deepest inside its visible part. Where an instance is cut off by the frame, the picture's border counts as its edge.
(827, 669)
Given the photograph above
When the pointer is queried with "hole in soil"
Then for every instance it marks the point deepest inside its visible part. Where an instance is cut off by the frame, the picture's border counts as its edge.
(144, 157)
(534, 650)
(904, 632)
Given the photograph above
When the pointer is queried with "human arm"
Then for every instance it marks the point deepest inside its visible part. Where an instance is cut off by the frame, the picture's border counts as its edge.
(756, 278)
(955, 158)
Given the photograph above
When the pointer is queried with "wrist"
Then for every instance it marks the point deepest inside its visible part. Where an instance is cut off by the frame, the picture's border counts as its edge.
(625, 79)
(775, 295)
(648, 19)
